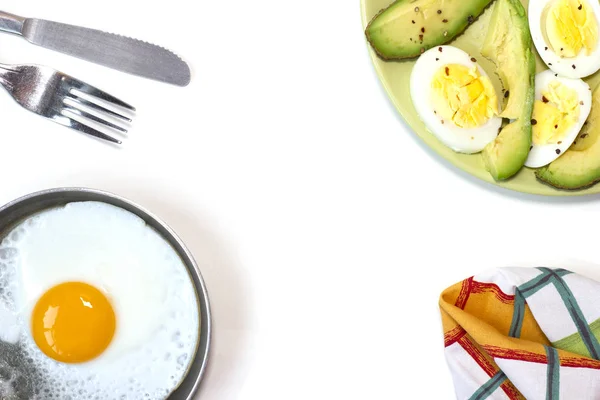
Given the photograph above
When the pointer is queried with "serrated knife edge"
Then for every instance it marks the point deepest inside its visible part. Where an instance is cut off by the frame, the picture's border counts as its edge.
(112, 50)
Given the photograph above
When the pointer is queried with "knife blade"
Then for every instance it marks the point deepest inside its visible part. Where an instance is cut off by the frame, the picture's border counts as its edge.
(110, 50)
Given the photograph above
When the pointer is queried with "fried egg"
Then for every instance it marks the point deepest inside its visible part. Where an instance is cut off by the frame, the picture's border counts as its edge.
(565, 34)
(561, 107)
(101, 306)
(455, 99)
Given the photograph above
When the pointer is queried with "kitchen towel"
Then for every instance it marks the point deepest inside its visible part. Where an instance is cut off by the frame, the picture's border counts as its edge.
(523, 333)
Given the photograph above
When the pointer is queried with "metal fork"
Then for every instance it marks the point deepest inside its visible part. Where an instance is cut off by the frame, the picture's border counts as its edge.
(53, 95)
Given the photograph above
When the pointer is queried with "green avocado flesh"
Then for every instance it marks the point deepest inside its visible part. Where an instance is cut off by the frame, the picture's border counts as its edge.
(407, 28)
(579, 167)
(508, 46)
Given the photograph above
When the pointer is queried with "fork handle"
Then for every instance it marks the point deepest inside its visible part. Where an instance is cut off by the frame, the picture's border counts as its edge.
(11, 23)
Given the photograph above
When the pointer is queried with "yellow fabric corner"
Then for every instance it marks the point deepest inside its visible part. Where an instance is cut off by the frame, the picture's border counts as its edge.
(486, 315)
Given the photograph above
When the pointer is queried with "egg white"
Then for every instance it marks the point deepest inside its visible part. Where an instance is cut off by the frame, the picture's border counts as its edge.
(541, 155)
(585, 65)
(462, 140)
(140, 273)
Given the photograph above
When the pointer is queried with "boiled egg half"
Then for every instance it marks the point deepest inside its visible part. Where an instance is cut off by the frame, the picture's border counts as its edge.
(561, 107)
(565, 34)
(455, 99)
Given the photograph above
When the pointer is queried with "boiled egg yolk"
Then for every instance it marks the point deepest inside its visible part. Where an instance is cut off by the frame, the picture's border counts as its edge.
(73, 322)
(570, 27)
(555, 114)
(462, 95)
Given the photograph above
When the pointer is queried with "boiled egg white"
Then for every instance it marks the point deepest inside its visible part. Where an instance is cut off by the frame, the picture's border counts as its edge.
(561, 107)
(565, 34)
(455, 99)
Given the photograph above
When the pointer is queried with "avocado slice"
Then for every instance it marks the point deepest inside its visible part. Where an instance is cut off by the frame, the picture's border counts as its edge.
(578, 167)
(409, 27)
(508, 46)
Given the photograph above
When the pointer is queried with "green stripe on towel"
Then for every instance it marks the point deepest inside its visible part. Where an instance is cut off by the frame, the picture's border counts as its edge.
(489, 387)
(552, 374)
(574, 343)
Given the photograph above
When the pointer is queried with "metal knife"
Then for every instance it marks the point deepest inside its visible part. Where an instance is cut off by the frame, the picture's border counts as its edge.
(114, 51)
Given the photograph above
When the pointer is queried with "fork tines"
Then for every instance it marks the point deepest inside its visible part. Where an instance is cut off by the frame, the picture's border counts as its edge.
(86, 102)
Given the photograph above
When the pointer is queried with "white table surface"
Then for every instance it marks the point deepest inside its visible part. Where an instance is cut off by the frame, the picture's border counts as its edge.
(325, 230)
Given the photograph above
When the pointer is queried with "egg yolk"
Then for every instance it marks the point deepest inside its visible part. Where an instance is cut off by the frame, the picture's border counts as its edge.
(570, 27)
(555, 114)
(462, 95)
(73, 322)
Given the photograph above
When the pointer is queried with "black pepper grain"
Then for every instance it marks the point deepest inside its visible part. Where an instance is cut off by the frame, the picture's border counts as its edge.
(533, 122)
(444, 20)
(470, 19)
(544, 99)
(421, 37)
(506, 94)
(439, 11)
(573, 66)
(555, 126)
(545, 48)
(473, 59)
(447, 71)
(423, 29)
(437, 59)
(440, 49)
(413, 21)
(580, 7)
(557, 151)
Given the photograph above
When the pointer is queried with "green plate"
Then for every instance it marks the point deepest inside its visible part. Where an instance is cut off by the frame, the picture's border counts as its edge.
(395, 77)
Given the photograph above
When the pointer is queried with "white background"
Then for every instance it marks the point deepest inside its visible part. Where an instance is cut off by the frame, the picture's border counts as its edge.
(324, 228)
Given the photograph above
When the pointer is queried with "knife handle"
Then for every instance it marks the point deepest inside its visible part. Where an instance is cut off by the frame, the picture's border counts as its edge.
(11, 23)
